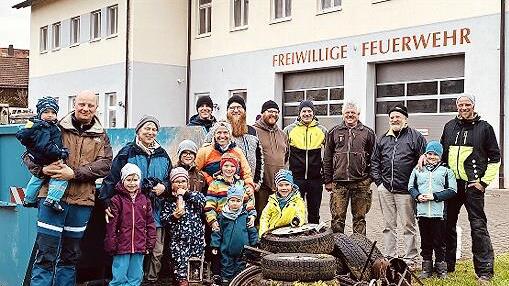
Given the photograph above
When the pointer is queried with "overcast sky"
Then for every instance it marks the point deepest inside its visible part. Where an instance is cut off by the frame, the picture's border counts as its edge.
(14, 25)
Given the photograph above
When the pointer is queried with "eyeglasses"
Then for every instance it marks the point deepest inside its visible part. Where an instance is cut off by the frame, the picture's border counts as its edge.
(235, 108)
(187, 154)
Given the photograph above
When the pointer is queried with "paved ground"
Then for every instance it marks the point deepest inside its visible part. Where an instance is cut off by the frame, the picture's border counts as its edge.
(496, 212)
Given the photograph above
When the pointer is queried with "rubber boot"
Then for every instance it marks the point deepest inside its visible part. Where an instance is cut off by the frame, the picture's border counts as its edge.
(427, 269)
(441, 269)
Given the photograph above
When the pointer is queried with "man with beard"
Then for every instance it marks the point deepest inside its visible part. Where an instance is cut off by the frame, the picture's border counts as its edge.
(396, 154)
(275, 150)
(204, 117)
(306, 139)
(245, 137)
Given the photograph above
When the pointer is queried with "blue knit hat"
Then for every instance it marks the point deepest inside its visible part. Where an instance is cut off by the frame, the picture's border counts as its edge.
(283, 175)
(435, 147)
(236, 191)
(45, 103)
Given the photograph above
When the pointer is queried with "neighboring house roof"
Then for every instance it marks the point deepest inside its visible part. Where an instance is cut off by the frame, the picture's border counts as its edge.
(13, 72)
(23, 4)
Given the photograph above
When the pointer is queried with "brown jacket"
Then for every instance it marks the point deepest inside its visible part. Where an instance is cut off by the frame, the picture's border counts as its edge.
(90, 158)
(275, 151)
(347, 155)
(197, 182)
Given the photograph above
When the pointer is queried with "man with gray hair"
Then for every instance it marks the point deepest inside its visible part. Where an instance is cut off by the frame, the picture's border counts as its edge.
(346, 166)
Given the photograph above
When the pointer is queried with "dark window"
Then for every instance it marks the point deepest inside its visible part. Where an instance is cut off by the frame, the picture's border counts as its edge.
(384, 106)
(320, 110)
(390, 90)
(452, 86)
(291, 110)
(337, 94)
(422, 88)
(316, 95)
(448, 105)
(294, 96)
(422, 106)
(335, 109)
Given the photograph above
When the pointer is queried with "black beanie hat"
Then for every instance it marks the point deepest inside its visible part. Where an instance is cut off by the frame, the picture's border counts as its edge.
(269, 104)
(205, 99)
(306, 103)
(238, 100)
(399, 108)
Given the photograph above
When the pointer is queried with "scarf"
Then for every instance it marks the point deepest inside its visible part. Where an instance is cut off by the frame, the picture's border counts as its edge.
(149, 150)
(283, 201)
(229, 214)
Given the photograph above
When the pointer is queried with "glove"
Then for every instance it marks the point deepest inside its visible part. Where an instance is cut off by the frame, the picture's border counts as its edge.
(295, 222)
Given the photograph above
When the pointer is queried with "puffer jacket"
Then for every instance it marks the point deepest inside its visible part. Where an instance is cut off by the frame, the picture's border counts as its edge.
(347, 155)
(196, 120)
(233, 235)
(394, 158)
(275, 151)
(439, 182)
(306, 142)
(274, 216)
(471, 150)
(90, 157)
(156, 165)
(132, 228)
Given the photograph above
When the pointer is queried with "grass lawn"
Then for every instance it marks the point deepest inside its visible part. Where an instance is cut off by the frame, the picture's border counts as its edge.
(465, 276)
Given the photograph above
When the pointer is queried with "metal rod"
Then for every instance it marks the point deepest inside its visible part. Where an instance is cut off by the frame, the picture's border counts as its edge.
(402, 278)
(368, 260)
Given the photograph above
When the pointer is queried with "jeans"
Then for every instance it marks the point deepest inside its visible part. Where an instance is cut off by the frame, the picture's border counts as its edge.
(56, 189)
(311, 191)
(127, 269)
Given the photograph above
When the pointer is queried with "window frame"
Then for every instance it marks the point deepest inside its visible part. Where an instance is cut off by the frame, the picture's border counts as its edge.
(56, 37)
(70, 102)
(110, 107)
(332, 8)
(75, 30)
(43, 39)
(273, 19)
(205, 7)
(109, 26)
(244, 19)
(92, 25)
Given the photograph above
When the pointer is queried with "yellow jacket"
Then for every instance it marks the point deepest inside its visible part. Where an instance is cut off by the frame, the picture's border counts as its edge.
(274, 217)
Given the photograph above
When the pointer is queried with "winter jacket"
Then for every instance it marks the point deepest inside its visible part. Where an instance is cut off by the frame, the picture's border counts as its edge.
(233, 235)
(90, 157)
(208, 160)
(196, 120)
(43, 141)
(394, 158)
(250, 145)
(132, 228)
(306, 144)
(197, 181)
(273, 216)
(217, 197)
(440, 182)
(471, 150)
(157, 165)
(347, 155)
(274, 144)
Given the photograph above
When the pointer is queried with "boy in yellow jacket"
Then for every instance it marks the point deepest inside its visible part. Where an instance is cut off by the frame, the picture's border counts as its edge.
(285, 207)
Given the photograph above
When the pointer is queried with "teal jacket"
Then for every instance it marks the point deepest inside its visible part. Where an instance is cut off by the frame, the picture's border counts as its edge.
(233, 235)
(440, 182)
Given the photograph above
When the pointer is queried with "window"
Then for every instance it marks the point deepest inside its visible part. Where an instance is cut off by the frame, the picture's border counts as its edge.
(281, 9)
(75, 30)
(43, 44)
(111, 113)
(70, 102)
(240, 13)
(204, 14)
(56, 36)
(112, 20)
(329, 5)
(239, 92)
(95, 25)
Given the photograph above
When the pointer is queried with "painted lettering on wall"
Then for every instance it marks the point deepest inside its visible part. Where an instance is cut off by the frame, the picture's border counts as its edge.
(407, 43)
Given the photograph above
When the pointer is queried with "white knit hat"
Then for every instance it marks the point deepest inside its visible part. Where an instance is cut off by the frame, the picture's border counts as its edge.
(130, 169)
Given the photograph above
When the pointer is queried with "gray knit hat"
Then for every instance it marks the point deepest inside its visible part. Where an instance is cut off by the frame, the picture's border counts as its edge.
(145, 119)
(469, 96)
(221, 123)
(187, 145)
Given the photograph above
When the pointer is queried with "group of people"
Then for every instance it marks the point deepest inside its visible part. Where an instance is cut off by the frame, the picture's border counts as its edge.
(247, 180)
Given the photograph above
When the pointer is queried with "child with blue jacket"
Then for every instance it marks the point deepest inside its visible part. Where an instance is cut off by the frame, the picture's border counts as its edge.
(233, 234)
(43, 139)
(430, 187)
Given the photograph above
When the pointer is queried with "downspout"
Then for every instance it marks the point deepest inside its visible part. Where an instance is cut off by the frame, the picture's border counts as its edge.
(188, 71)
(127, 39)
(502, 93)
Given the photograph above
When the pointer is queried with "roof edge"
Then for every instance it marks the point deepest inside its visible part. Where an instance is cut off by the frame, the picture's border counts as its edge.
(23, 4)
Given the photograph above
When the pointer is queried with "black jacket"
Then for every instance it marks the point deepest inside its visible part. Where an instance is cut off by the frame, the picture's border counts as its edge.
(395, 157)
(195, 120)
(471, 149)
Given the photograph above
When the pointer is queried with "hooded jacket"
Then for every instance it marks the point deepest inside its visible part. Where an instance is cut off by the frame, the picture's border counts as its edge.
(471, 150)
(196, 120)
(132, 228)
(274, 216)
(275, 150)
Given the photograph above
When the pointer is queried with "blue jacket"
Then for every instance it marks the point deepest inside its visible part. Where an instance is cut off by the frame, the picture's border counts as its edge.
(233, 235)
(43, 141)
(157, 165)
(440, 182)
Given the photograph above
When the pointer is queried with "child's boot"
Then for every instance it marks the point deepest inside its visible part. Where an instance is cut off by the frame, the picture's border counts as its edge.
(427, 269)
(441, 269)
(55, 205)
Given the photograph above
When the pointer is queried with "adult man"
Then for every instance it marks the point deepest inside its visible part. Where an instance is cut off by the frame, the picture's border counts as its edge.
(306, 139)
(59, 234)
(204, 117)
(275, 150)
(245, 137)
(346, 164)
(396, 154)
(471, 151)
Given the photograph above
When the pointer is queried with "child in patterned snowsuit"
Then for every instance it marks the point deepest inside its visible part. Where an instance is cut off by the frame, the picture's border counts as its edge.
(233, 234)
(182, 217)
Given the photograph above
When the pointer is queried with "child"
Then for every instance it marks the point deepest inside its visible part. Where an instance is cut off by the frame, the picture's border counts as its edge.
(43, 140)
(131, 232)
(430, 187)
(233, 234)
(285, 207)
(181, 214)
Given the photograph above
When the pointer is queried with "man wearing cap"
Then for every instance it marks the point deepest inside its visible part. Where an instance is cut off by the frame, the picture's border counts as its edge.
(275, 150)
(59, 233)
(306, 139)
(471, 151)
(204, 117)
(396, 154)
(245, 137)
(346, 164)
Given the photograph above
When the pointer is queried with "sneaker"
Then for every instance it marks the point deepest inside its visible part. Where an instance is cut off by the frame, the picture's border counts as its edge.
(55, 205)
(484, 281)
(27, 204)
